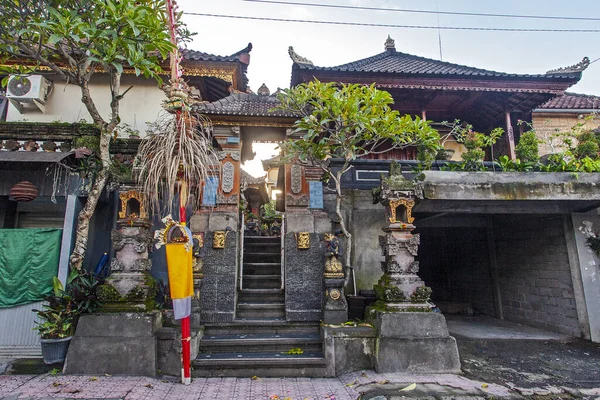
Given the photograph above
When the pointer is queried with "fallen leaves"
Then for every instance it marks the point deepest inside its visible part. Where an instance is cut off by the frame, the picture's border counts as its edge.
(255, 378)
(410, 387)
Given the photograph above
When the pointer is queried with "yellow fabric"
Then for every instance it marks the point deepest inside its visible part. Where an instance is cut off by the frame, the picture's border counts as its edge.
(179, 263)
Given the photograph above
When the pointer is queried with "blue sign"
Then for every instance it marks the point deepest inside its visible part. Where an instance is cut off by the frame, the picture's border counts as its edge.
(233, 139)
(316, 194)
(209, 197)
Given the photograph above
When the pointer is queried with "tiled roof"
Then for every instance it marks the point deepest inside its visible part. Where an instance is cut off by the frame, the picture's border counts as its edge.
(396, 62)
(244, 104)
(250, 180)
(573, 101)
(195, 55)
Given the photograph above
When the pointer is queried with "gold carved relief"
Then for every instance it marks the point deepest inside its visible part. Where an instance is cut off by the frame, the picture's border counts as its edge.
(126, 197)
(219, 239)
(407, 203)
(334, 294)
(303, 240)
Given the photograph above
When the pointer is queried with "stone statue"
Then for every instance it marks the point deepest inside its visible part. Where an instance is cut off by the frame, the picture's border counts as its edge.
(333, 250)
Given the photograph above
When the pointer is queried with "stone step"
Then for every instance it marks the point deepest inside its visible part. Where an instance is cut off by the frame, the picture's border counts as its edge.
(262, 240)
(261, 282)
(250, 326)
(262, 268)
(260, 343)
(261, 296)
(259, 364)
(256, 256)
(260, 310)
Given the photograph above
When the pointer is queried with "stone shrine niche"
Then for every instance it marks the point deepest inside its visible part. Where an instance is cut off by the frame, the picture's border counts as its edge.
(133, 205)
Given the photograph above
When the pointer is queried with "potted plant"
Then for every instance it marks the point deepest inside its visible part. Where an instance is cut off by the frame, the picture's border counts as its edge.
(60, 312)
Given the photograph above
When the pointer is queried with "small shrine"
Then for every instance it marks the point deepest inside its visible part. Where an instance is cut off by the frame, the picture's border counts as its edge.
(130, 286)
(400, 287)
(411, 337)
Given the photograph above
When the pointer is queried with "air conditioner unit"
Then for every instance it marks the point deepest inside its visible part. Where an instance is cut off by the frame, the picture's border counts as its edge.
(28, 89)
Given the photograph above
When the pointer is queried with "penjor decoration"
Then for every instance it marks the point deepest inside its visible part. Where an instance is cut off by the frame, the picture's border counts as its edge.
(174, 159)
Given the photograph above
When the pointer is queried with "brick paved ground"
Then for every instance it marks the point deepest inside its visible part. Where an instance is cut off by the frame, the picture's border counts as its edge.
(346, 387)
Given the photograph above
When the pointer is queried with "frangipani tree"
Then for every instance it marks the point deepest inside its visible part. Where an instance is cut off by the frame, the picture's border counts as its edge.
(349, 122)
(77, 39)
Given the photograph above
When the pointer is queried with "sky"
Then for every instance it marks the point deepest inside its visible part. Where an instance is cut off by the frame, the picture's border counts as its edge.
(328, 45)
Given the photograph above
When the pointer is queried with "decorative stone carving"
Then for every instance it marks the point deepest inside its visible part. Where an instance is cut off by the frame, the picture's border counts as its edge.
(263, 90)
(333, 250)
(31, 145)
(579, 67)
(219, 239)
(393, 207)
(49, 146)
(228, 177)
(301, 201)
(233, 199)
(12, 145)
(65, 147)
(234, 154)
(296, 172)
(141, 241)
(131, 209)
(297, 58)
(390, 43)
(302, 240)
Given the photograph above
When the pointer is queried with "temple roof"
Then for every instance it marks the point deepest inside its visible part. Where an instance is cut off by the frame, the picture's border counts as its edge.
(572, 101)
(248, 180)
(196, 55)
(392, 61)
(244, 104)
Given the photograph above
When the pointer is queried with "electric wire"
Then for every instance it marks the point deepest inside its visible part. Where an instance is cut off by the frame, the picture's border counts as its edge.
(455, 28)
(469, 14)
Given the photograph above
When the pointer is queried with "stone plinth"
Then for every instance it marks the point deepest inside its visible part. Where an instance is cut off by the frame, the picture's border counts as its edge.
(169, 349)
(335, 310)
(414, 342)
(118, 343)
(348, 348)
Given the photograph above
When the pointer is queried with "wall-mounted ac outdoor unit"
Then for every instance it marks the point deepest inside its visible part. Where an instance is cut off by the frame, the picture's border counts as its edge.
(31, 89)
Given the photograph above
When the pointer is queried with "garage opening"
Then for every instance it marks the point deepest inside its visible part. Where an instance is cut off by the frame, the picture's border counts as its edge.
(514, 267)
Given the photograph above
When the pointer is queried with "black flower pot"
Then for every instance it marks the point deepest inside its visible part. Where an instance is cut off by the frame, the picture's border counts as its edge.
(55, 350)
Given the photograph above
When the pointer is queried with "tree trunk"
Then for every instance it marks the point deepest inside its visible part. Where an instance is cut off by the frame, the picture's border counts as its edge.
(338, 211)
(85, 215)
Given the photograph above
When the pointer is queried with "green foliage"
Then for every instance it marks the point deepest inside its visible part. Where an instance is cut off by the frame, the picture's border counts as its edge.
(474, 142)
(421, 295)
(63, 307)
(527, 150)
(109, 34)
(349, 122)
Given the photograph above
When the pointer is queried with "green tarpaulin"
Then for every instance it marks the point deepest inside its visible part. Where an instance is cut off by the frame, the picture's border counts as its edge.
(28, 261)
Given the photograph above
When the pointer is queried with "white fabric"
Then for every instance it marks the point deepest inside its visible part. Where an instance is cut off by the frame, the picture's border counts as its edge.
(182, 307)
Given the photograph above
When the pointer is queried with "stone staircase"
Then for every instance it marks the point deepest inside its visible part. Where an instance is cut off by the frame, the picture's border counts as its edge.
(258, 341)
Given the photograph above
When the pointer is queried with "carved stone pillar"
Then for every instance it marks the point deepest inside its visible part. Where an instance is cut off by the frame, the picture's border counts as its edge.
(130, 286)
(335, 308)
(411, 338)
(400, 287)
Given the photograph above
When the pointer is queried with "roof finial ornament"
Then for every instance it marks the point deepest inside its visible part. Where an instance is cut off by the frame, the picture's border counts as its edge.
(263, 90)
(579, 67)
(390, 44)
(297, 58)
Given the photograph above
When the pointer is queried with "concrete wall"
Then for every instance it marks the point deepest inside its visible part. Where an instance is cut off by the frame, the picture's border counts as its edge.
(140, 105)
(548, 124)
(534, 272)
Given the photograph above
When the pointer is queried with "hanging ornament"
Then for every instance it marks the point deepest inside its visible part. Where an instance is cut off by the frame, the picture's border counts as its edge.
(23, 191)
